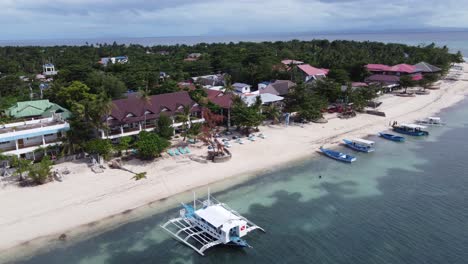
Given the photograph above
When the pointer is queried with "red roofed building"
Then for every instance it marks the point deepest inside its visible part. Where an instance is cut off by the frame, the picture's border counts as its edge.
(311, 73)
(131, 115)
(396, 70)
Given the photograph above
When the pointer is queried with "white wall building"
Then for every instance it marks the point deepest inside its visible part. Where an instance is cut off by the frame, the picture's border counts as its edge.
(23, 138)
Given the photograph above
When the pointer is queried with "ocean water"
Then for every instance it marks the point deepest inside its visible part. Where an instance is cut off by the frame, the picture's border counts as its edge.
(454, 40)
(404, 203)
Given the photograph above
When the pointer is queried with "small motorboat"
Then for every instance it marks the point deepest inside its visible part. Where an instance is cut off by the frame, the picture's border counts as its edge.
(392, 137)
(338, 155)
(360, 144)
(411, 129)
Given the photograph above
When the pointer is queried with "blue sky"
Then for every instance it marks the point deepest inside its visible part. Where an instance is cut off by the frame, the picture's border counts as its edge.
(40, 19)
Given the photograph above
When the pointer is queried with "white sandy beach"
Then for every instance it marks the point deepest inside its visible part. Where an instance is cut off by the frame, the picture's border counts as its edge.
(85, 197)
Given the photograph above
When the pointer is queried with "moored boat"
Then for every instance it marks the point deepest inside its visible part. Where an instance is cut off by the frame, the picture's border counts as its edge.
(392, 137)
(431, 121)
(360, 144)
(410, 129)
(338, 155)
(209, 223)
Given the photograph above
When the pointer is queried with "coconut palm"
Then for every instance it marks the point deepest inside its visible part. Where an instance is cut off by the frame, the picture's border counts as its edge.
(184, 118)
(229, 90)
(146, 100)
(273, 113)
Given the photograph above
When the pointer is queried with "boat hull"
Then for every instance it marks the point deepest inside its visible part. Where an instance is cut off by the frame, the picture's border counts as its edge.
(411, 133)
(338, 156)
(392, 137)
(364, 149)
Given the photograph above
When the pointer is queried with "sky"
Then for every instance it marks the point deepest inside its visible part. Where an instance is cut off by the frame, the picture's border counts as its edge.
(60, 19)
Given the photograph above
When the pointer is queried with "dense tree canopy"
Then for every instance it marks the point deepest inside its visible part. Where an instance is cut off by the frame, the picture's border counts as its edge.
(245, 61)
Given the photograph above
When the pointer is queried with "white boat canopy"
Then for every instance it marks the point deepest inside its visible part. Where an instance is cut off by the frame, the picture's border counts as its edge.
(363, 142)
(413, 126)
(217, 215)
(434, 118)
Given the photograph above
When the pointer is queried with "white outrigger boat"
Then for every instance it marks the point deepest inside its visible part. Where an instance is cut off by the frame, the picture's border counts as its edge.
(213, 223)
(431, 121)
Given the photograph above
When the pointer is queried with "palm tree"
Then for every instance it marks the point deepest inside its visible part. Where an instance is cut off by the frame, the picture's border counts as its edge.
(229, 90)
(184, 118)
(145, 99)
(273, 112)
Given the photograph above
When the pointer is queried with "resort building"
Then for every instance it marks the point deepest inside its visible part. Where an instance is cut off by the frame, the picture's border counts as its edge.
(388, 82)
(193, 57)
(291, 62)
(311, 73)
(241, 88)
(278, 87)
(119, 59)
(266, 98)
(415, 71)
(39, 124)
(426, 68)
(48, 69)
(132, 115)
(208, 81)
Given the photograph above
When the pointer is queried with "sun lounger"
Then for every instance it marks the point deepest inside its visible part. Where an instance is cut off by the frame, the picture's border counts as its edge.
(187, 150)
(181, 150)
(171, 152)
(177, 152)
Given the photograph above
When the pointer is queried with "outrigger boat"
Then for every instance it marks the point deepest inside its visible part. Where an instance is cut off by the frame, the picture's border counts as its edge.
(360, 144)
(410, 129)
(211, 223)
(338, 155)
(392, 137)
(431, 121)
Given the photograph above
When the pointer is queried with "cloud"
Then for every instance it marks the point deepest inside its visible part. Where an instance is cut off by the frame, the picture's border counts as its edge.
(139, 18)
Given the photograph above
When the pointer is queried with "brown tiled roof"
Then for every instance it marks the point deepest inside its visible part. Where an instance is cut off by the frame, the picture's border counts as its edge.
(383, 78)
(279, 87)
(135, 106)
(224, 101)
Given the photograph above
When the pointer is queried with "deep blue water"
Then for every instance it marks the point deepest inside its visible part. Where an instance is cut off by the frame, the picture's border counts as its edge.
(454, 40)
(405, 203)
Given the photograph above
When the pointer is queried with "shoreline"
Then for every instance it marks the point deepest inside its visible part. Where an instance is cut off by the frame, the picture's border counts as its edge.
(88, 203)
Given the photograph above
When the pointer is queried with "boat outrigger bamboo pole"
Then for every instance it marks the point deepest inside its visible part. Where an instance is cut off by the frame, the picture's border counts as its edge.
(194, 203)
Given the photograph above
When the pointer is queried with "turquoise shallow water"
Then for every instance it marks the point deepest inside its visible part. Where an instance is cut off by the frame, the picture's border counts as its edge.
(405, 203)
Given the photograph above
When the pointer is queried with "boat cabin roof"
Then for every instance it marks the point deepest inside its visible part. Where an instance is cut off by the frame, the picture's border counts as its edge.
(218, 216)
(363, 141)
(434, 118)
(413, 126)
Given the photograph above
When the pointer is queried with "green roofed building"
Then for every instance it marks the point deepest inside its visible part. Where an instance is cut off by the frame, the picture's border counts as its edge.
(38, 108)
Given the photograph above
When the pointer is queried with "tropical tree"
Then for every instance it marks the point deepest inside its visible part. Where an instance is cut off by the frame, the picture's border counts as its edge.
(21, 166)
(101, 147)
(150, 145)
(340, 76)
(328, 89)
(145, 99)
(306, 102)
(184, 118)
(272, 112)
(165, 128)
(229, 90)
(40, 172)
(245, 116)
(124, 144)
(406, 81)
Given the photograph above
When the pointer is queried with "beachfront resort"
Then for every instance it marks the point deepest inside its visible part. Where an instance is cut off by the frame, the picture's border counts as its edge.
(180, 132)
